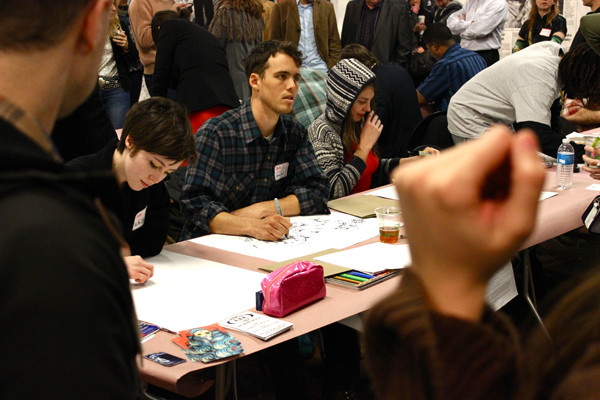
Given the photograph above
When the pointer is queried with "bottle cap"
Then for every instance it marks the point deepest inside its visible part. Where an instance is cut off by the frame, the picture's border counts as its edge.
(565, 140)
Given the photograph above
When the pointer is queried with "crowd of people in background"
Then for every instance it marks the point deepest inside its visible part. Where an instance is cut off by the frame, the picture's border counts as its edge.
(222, 106)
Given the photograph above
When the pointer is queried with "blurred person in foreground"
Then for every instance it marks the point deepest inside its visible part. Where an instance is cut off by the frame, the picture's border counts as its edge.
(434, 337)
(62, 272)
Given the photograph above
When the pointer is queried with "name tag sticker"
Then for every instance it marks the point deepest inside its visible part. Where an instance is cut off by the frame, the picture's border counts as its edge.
(140, 217)
(546, 32)
(281, 171)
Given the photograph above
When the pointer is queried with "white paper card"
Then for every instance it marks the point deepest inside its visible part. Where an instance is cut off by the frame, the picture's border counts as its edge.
(140, 217)
(389, 192)
(595, 186)
(281, 170)
(188, 292)
(371, 258)
(546, 195)
(501, 288)
(254, 324)
(307, 235)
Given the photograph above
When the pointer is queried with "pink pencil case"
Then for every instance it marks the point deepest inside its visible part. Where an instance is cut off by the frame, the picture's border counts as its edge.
(292, 287)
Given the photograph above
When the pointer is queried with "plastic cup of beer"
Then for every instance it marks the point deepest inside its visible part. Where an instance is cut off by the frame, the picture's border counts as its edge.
(592, 141)
(389, 222)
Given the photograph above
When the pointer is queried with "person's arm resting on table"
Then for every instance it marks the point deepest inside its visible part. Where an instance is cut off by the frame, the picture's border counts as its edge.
(246, 221)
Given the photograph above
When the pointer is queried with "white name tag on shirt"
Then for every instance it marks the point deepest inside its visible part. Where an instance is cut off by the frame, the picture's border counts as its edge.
(546, 32)
(281, 171)
(140, 217)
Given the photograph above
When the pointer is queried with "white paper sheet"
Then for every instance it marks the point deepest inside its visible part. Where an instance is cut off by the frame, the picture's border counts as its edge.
(501, 288)
(307, 235)
(187, 292)
(595, 186)
(546, 195)
(371, 258)
(389, 192)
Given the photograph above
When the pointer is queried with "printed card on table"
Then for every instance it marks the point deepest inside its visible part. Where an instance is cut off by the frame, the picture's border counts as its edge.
(208, 343)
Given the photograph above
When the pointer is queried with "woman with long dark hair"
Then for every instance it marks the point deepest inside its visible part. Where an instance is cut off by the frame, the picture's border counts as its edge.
(344, 137)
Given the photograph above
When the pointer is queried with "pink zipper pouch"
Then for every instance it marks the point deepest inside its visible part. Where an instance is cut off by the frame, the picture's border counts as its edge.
(292, 287)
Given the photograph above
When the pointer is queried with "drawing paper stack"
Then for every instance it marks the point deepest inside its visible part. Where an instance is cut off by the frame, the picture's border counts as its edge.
(256, 325)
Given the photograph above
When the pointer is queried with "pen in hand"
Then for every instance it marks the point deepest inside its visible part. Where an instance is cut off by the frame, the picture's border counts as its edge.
(279, 212)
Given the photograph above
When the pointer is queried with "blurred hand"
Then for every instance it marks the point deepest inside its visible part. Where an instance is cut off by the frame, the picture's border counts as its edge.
(179, 6)
(120, 39)
(138, 269)
(419, 26)
(432, 153)
(594, 172)
(467, 212)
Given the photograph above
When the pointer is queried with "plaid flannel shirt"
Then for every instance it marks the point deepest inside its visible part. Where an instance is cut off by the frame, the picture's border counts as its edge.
(236, 168)
(312, 96)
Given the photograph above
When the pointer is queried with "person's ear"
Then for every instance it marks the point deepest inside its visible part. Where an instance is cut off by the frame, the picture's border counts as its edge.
(254, 81)
(94, 24)
(129, 146)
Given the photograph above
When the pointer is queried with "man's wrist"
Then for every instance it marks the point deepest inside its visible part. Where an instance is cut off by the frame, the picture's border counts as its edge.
(454, 296)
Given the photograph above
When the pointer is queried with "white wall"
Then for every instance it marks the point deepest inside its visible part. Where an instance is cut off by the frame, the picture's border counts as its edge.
(340, 11)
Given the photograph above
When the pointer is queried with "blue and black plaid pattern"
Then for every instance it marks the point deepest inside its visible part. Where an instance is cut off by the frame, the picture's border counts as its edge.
(236, 166)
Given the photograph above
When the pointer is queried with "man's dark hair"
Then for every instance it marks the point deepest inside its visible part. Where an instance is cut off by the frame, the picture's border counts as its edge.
(160, 126)
(37, 24)
(162, 16)
(361, 53)
(579, 71)
(438, 34)
(257, 61)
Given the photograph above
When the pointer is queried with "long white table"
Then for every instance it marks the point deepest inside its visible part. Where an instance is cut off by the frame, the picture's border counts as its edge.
(557, 215)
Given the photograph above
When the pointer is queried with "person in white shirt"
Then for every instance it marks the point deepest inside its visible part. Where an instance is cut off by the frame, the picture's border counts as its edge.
(480, 25)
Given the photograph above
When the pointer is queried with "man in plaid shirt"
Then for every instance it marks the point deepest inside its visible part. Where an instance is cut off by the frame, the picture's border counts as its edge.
(252, 155)
(312, 96)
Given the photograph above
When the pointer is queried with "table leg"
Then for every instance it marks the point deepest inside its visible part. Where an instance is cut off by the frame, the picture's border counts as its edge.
(529, 290)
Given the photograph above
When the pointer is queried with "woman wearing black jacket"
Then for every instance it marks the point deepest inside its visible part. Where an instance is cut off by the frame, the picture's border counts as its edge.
(113, 75)
(192, 61)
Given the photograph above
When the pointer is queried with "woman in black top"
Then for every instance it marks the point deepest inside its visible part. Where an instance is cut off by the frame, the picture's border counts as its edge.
(156, 139)
(192, 61)
(544, 23)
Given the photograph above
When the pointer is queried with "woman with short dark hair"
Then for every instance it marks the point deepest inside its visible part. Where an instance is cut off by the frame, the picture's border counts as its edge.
(156, 139)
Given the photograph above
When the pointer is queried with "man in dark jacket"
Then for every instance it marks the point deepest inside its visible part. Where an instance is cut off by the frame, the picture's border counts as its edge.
(63, 280)
(382, 26)
(444, 9)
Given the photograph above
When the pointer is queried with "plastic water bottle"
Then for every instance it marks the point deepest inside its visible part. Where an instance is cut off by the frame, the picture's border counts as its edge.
(564, 166)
